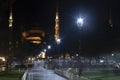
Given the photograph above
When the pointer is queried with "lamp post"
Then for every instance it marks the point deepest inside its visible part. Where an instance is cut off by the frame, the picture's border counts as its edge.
(58, 44)
(80, 22)
(58, 41)
(49, 53)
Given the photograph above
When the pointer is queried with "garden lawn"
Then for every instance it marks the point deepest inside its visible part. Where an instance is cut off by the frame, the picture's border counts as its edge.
(10, 75)
(101, 76)
(111, 78)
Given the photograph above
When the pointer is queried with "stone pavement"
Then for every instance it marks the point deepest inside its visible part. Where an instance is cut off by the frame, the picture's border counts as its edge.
(40, 73)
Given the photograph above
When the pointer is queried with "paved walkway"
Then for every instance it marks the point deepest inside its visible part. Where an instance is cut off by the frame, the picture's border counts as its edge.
(40, 73)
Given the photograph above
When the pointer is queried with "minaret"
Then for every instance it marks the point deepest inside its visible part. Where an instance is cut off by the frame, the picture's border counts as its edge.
(11, 32)
(110, 19)
(10, 19)
(57, 25)
(11, 46)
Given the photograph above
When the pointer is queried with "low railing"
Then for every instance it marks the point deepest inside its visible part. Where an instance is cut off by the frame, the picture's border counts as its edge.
(69, 76)
(24, 75)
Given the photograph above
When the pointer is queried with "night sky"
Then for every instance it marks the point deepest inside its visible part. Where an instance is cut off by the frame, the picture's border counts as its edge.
(96, 35)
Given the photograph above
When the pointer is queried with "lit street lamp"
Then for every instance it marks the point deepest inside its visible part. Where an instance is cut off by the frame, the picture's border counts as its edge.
(49, 47)
(44, 50)
(80, 22)
(58, 41)
(112, 54)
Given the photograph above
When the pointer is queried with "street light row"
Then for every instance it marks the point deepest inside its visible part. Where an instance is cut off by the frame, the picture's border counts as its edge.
(80, 22)
(48, 48)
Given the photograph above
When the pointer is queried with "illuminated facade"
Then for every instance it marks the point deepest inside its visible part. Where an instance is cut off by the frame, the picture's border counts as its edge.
(34, 35)
(57, 26)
